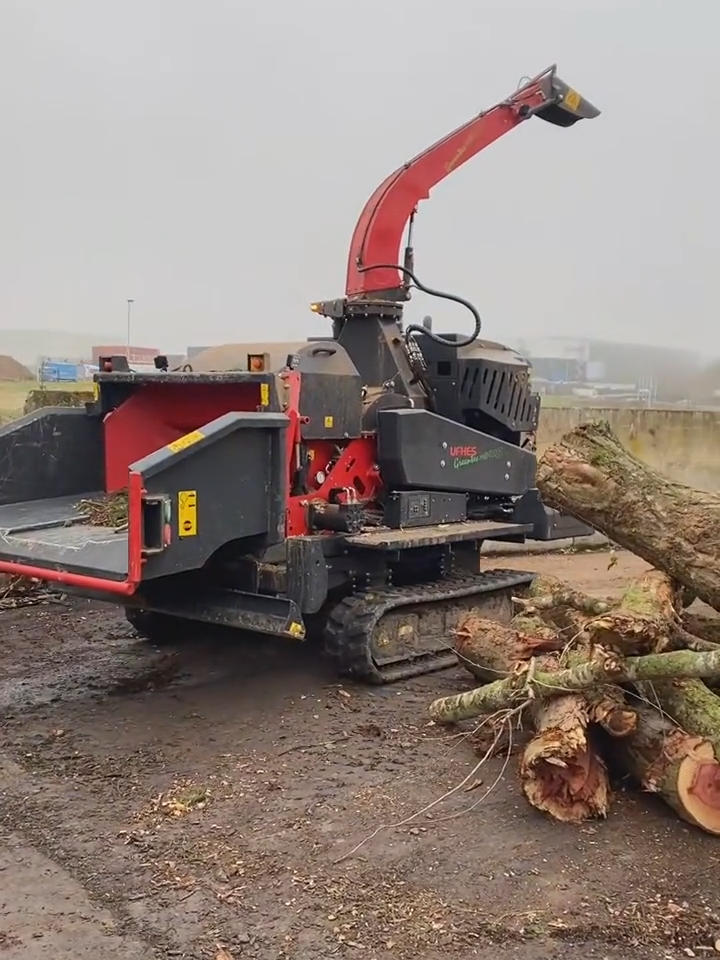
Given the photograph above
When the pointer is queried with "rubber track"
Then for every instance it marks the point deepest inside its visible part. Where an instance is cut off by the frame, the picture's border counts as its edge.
(351, 623)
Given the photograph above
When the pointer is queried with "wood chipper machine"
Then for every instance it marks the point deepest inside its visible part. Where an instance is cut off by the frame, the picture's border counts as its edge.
(350, 488)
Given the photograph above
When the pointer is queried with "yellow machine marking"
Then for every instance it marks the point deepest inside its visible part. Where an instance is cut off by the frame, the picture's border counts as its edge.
(572, 100)
(96, 391)
(187, 513)
(296, 630)
(328, 422)
(264, 394)
(182, 443)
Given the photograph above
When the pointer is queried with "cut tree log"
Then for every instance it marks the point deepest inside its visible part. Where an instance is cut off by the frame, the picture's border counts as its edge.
(560, 771)
(690, 703)
(590, 475)
(529, 683)
(644, 619)
(549, 594)
(647, 619)
(681, 768)
(570, 611)
(488, 649)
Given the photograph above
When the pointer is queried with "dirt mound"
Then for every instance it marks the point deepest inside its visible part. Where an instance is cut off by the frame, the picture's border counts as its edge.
(12, 369)
(233, 356)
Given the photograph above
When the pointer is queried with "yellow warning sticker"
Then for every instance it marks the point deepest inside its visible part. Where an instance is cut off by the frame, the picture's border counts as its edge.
(182, 443)
(296, 630)
(187, 513)
(328, 422)
(572, 100)
(264, 394)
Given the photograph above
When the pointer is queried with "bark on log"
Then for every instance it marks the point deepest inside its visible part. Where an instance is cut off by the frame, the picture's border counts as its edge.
(570, 611)
(681, 768)
(488, 649)
(682, 639)
(643, 620)
(691, 704)
(529, 683)
(676, 528)
(560, 772)
(548, 595)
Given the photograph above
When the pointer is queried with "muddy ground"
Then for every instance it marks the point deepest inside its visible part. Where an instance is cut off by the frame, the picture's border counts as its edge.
(166, 804)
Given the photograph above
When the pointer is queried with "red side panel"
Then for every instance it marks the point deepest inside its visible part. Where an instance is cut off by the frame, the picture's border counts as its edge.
(156, 415)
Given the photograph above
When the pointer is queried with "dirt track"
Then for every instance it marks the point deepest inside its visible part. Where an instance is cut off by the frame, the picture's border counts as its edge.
(158, 804)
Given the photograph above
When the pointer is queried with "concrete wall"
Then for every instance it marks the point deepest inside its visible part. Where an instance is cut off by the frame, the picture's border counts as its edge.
(684, 444)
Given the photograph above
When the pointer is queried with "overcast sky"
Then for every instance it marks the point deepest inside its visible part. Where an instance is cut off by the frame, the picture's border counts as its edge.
(209, 160)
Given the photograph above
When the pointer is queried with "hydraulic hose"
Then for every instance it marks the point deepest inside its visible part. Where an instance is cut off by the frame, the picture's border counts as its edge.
(442, 295)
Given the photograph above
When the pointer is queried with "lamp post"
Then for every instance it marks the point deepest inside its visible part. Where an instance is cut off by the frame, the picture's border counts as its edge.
(129, 305)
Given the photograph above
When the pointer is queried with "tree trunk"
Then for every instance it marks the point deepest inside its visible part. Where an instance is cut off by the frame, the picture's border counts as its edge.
(676, 528)
(560, 772)
(644, 619)
(681, 768)
(489, 650)
(691, 704)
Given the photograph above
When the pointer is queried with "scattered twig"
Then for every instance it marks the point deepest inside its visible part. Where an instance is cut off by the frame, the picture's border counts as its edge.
(108, 511)
(502, 717)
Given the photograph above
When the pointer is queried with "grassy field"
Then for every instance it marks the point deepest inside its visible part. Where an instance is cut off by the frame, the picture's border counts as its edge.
(14, 393)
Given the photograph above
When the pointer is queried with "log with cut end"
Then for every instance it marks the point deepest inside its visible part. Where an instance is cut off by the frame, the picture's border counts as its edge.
(488, 649)
(679, 767)
(560, 772)
(590, 475)
(644, 619)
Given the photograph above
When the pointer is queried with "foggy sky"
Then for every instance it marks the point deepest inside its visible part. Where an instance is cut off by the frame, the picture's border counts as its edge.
(209, 160)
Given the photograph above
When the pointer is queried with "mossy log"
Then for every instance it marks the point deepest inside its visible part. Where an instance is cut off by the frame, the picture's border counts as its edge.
(681, 768)
(691, 704)
(676, 528)
(643, 620)
(548, 595)
(529, 683)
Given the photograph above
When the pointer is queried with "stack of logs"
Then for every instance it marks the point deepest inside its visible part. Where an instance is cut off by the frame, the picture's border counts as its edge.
(622, 687)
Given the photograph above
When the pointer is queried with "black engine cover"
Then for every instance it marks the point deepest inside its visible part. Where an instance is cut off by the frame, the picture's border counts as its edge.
(420, 449)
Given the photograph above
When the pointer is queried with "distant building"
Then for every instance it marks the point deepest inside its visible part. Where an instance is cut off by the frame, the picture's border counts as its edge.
(664, 373)
(141, 355)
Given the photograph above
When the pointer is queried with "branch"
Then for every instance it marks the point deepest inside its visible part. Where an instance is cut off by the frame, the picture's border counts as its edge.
(528, 683)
